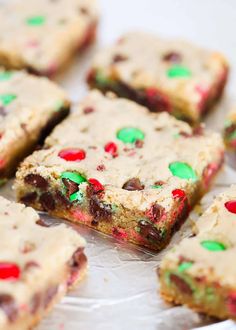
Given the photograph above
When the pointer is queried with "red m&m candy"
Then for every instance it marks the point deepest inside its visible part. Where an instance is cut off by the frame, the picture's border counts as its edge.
(72, 154)
(9, 271)
(231, 206)
(111, 148)
(97, 186)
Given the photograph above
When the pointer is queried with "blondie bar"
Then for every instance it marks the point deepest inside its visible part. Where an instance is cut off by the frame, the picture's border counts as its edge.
(121, 169)
(200, 271)
(42, 35)
(164, 75)
(29, 108)
(38, 265)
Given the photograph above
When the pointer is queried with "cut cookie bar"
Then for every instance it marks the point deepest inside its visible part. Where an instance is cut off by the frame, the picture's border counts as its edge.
(230, 129)
(42, 35)
(38, 265)
(29, 108)
(200, 271)
(164, 75)
(121, 170)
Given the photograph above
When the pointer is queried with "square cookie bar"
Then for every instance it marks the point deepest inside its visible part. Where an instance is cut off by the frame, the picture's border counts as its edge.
(230, 129)
(29, 108)
(38, 265)
(164, 75)
(121, 170)
(42, 35)
(200, 271)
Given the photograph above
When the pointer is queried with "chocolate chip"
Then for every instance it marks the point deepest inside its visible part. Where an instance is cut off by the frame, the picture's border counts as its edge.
(71, 186)
(8, 305)
(139, 143)
(83, 10)
(47, 201)
(119, 58)
(133, 184)
(49, 295)
(99, 210)
(155, 212)
(37, 181)
(31, 264)
(148, 231)
(29, 198)
(3, 111)
(181, 284)
(35, 303)
(159, 183)
(172, 57)
(42, 223)
(88, 110)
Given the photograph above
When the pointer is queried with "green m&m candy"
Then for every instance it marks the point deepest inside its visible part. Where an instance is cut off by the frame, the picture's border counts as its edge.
(213, 245)
(7, 98)
(182, 171)
(178, 71)
(75, 177)
(76, 197)
(35, 20)
(130, 134)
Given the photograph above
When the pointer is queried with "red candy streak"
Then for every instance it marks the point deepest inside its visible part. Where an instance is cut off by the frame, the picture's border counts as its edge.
(72, 155)
(178, 193)
(9, 271)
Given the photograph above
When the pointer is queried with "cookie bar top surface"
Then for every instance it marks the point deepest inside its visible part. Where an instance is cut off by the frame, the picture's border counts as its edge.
(25, 102)
(184, 72)
(33, 252)
(37, 33)
(211, 252)
(117, 140)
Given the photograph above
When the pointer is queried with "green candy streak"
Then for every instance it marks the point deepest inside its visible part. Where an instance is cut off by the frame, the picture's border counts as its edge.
(184, 266)
(35, 20)
(5, 75)
(7, 98)
(178, 71)
(75, 177)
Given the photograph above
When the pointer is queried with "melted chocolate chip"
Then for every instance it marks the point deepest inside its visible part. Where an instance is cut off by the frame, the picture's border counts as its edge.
(37, 181)
(31, 264)
(3, 111)
(181, 284)
(83, 10)
(35, 303)
(71, 186)
(172, 57)
(42, 223)
(47, 201)
(76, 263)
(62, 200)
(119, 58)
(148, 231)
(88, 110)
(99, 210)
(133, 184)
(8, 305)
(101, 168)
(29, 198)
(49, 295)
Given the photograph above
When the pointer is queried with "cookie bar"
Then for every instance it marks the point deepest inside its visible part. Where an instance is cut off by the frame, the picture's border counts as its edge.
(121, 170)
(29, 108)
(42, 35)
(230, 129)
(200, 271)
(38, 265)
(163, 75)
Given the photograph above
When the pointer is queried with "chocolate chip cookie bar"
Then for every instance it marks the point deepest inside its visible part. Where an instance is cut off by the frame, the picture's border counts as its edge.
(38, 265)
(230, 129)
(200, 271)
(42, 35)
(29, 108)
(121, 170)
(163, 75)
